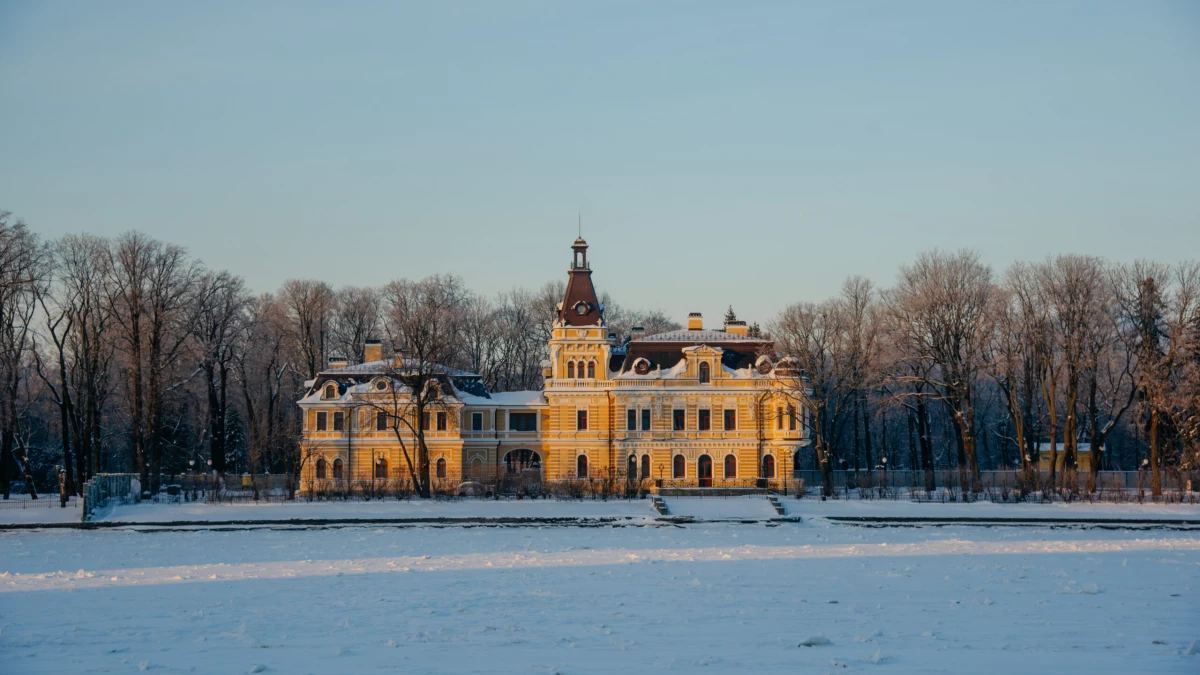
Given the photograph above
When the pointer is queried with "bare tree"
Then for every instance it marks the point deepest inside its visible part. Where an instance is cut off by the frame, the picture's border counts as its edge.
(310, 306)
(939, 311)
(425, 318)
(21, 273)
(816, 337)
(355, 319)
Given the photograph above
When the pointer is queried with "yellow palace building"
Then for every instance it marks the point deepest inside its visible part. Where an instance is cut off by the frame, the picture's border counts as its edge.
(694, 407)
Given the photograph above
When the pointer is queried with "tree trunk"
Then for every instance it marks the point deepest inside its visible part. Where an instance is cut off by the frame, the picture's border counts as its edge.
(1155, 477)
(866, 420)
(926, 445)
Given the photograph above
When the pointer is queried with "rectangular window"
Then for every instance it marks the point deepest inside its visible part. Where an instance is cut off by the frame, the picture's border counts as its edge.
(730, 420)
(522, 421)
(322, 421)
(381, 421)
(476, 421)
(441, 420)
(792, 418)
(779, 418)
(425, 421)
(581, 420)
(646, 419)
(630, 419)
(705, 419)
(678, 418)
(339, 421)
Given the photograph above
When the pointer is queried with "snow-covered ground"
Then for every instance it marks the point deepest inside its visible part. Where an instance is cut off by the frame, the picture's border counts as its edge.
(360, 510)
(712, 597)
(20, 509)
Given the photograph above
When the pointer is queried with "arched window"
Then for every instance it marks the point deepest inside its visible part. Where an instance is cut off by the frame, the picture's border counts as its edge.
(678, 467)
(331, 391)
(441, 467)
(322, 468)
(730, 466)
(704, 373)
(581, 466)
(591, 370)
(337, 469)
(477, 468)
(645, 467)
(381, 467)
(768, 467)
(570, 370)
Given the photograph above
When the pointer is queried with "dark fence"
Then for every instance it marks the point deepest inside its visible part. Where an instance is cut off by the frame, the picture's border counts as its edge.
(1009, 485)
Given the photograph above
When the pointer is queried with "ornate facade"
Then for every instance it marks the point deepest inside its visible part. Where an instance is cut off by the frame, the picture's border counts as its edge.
(693, 407)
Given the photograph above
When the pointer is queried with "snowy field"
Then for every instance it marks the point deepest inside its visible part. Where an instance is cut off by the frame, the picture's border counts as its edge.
(714, 597)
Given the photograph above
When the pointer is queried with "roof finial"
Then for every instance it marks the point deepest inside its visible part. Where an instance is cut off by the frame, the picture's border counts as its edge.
(579, 224)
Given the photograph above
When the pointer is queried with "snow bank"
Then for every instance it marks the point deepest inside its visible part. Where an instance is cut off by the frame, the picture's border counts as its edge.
(721, 508)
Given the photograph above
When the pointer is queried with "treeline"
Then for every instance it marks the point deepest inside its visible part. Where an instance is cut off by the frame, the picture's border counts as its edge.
(956, 366)
(127, 354)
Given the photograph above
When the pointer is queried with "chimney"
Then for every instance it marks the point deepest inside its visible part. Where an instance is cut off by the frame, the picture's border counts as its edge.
(737, 328)
(337, 362)
(695, 321)
(372, 351)
(637, 333)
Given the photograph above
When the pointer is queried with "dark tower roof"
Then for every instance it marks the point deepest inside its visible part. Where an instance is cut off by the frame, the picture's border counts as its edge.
(580, 307)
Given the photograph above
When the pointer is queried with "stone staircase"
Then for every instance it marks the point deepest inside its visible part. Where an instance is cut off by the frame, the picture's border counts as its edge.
(774, 499)
(659, 505)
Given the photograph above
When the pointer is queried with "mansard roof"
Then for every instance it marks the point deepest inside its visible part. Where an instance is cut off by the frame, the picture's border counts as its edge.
(665, 350)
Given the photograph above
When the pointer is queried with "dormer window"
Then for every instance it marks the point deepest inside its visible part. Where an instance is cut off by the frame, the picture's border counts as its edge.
(381, 385)
(331, 391)
(704, 376)
(581, 308)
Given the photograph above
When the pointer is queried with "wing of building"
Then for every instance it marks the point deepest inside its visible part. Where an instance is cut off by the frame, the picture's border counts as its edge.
(695, 407)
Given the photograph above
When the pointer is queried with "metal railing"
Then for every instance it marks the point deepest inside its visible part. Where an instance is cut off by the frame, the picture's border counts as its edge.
(106, 489)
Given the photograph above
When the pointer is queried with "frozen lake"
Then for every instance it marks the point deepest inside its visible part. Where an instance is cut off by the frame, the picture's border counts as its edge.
(715, 597)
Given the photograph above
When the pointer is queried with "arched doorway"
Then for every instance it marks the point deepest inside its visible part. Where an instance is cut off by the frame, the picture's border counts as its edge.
(631, 469)
(523, 461)
(704, 471)
(730, 466)
(678, 467)
(645, 467)
(337, 469)
(768, 467)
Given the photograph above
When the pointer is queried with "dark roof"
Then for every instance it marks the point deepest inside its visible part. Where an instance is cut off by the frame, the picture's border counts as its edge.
(738, 352)
(580, 289)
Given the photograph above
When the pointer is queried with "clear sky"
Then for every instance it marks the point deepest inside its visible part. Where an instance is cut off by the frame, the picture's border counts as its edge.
(744, 153)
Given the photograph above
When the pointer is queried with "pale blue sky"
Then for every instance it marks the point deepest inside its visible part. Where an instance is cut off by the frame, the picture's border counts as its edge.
(745, 153)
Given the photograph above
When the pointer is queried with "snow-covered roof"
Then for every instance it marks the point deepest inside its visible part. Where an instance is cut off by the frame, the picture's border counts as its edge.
(505, 399)
(389, 365)
(698, 336)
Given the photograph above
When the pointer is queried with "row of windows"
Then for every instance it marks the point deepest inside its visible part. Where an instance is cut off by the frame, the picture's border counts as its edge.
(679, 419)
(381, 468)
(590, 372)
(679, 466)
(527, 421)
(381, 421)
